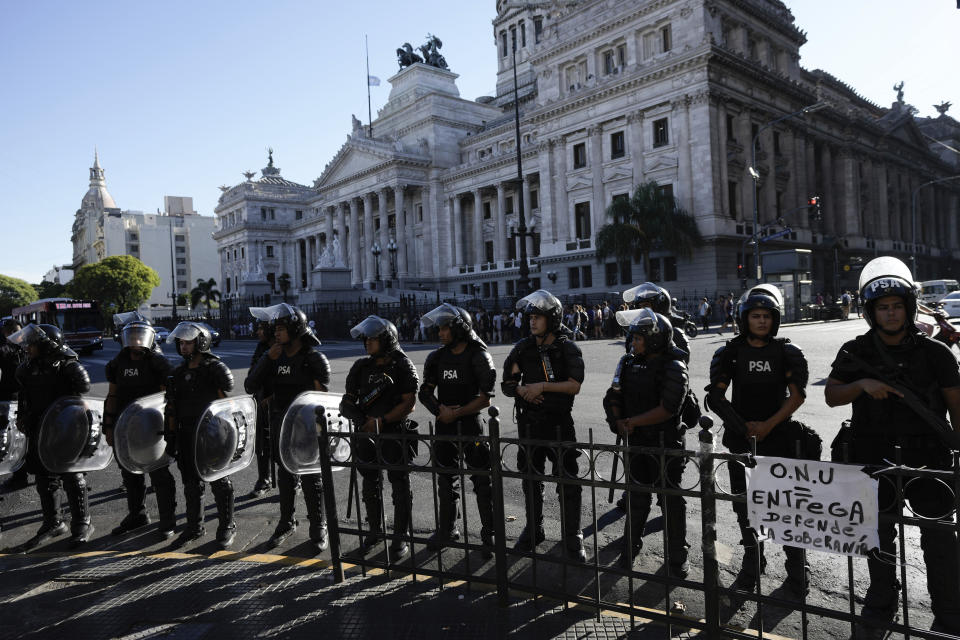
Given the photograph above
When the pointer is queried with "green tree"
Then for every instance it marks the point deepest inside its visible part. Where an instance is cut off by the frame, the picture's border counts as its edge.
(648, 220)
(51, 290)
(204, 293)
(15, 292)
(120, 283)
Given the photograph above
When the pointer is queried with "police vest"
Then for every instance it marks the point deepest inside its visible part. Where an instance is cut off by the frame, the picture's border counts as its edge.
(380, 387)
(136, 378)
(556, 362)
(42, 382)
(457, 381)
(292, 377)
(194, 389)
(759, 379)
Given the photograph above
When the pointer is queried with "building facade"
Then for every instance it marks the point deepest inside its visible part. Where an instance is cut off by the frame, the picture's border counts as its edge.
(176, 243)
(612, 94)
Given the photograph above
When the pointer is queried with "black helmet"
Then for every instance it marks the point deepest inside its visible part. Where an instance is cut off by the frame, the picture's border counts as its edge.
(138, 333)
(377, 327)
(542, 303)
(763, 296)
(654, 295)
(47, 337)
(286, 315)
(188, 332)
(457, 318)
(655, 328)
(887, 276)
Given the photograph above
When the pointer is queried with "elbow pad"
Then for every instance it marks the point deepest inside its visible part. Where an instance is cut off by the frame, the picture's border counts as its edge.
(428, 400)
(223, 377)
(796, 367)
(485, 372)
(254, 381)
(675, 385)
(613, 406)
(319, 366)
(509, 388)
(77, 377)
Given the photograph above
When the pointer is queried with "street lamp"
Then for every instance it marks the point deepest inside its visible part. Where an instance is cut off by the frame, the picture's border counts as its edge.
(392, 248)
(375, 250)
(913, 221)
(523, 283)
(756, 178)
(552, 277)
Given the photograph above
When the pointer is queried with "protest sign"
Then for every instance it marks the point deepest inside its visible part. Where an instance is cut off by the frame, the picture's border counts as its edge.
(821, 506)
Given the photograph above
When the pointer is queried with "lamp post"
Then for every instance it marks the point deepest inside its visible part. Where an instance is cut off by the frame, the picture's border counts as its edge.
(376, 251)
(552, 277)
(523, 283)
(392, 249)
(756, 179)
(913, 220)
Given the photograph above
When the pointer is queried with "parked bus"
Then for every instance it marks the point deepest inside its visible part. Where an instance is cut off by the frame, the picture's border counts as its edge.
(79, 320)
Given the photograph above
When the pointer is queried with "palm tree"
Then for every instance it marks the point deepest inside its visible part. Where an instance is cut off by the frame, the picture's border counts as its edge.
(648, 220)
(205, 292)
(284, 283)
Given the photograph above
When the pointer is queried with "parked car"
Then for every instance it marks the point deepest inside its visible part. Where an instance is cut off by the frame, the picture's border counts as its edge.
(951, 304)
(935, 290)
(215, 335)
(162, 334)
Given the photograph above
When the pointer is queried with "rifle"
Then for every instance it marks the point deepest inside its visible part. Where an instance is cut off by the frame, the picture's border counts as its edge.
(940, 426)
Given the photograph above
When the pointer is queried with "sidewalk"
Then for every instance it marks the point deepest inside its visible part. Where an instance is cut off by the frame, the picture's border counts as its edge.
(230, 595)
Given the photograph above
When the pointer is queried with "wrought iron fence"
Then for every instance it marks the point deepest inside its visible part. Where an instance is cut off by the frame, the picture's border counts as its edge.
(542, 574)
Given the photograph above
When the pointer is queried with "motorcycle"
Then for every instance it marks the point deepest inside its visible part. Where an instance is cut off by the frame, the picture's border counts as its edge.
(942, 330)
(689, 326)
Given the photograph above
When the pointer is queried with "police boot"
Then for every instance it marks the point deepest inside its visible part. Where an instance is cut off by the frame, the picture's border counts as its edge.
(447, 530)
(165, 490)
(53, 524)
(749, 576)
(371, 501)
(638, 521)
(136, 489)
(313, 496)
(533, 533)
(485, 509)
(193, 497)
(402, 510)
(572, 535)
(883, 595)
(80, 524)
(798, 572)
(223, 496)
(676, 518)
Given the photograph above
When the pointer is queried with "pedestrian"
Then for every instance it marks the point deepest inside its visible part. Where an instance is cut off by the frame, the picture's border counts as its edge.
(196, 382)
(597, 322)
(517, 325)
(379, 397)
(845, 302)
(11, 355)
(543, 373)
(608, 328)
(264, 333)
(703, 312)
(498, 328)
(458, 381)
(644, 406)
(726, 309)
(139, 370)
(901, 385)
(293, 364)
(769, 377)
(50, 371)
(584, 322)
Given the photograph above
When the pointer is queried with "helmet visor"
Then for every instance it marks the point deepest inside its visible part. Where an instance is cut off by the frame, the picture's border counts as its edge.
(885, 267)
(371, 327)
(138, 335)
(273, 313)
(441, 316)
(541, 299)
(645, 291)
(625, 318)
(121, 319)
(186, 331)
(30, 334)
(644, 323)
(769, 290)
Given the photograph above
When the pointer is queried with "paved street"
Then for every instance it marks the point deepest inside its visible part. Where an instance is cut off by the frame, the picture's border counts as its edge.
(257, 518)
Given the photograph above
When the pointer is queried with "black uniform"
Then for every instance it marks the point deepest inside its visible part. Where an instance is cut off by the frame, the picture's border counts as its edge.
(11, 356)
(558, 361)
(373, 390)
(190, 390)
(459, 378)
(263, 420)
(43, 380)
(926, 367)
(760, 376)
(135, 379)
(645, 384)
(287, 377)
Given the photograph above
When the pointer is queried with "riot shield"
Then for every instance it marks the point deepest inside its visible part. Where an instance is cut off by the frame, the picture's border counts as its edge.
(299, 445)
(225, 437)
(138, 436)
(13, 443)
(71, 436)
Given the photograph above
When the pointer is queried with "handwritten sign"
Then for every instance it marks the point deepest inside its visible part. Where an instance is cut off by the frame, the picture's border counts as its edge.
(817, 505)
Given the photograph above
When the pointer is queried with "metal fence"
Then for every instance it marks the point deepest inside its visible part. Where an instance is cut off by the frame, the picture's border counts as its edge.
(542, 574)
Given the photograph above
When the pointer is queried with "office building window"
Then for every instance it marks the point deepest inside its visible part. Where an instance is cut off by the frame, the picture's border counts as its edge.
(731, 128)
(298, 214)
(181, 250)
(269, 251)
(661, 137)
(611, 273)
(579, 155)
(732, 199)
(488, 250)
(609, 62)
(523, 34)
(666, 39)
(617, 145)
(581, 214)
(486, 211)
(184, 260)
(622, 55)
(626, 272)
(181, 272)
(534, 199)
(586, 276)
(537, 28)
(179, 238)
(263, 213)
(573, 277)
(666, 190)
(510, 287)
(503, 44)
(419, 213)
(182, 285)
(508, 205)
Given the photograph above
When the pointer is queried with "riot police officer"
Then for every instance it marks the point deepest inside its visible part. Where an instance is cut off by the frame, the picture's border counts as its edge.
(655, 297)
(292, 365)
(458, 381)
(51, 371)
(380, 393)
(901, 385)
(544, 372)
(139, 370)
(643, 405)
(769, 377)
(11, 355)
(196, 382)
(265, 340)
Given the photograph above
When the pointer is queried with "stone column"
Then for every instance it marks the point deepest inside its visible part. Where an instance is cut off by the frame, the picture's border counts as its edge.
(501, 241)
(478, 252)
(525, 194)
(460, 258)
(566, 227)
(385, 271)
(405, 237)
(544, 160)
(432, 261)
(598, 207)
(723, 170)
(369, 274)
(343, 210)
(635, 144)
(328, 226)
(356, 275)
(829, 206)
(882, 222)
(850, 220)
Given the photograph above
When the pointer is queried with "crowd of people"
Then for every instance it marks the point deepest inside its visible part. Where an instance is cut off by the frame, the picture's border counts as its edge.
(648, 403)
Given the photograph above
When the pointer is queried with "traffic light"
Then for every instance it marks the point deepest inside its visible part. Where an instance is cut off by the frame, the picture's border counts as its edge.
(813, 203)
(741, 275)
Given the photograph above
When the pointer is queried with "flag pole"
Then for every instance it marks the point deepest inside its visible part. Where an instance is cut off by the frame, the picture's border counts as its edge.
(366, 49)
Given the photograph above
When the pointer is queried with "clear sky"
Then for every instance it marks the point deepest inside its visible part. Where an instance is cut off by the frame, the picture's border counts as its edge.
(181, 97)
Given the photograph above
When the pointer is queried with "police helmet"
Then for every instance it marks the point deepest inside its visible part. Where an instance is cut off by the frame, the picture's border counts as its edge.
(138, 334)
(10, 326)
(377, 327)
(188, 332)
(654, 296)
(286, 315)
(655, 328)
(763, 296)
(457, 318)
(887, 276)
(542, 303)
